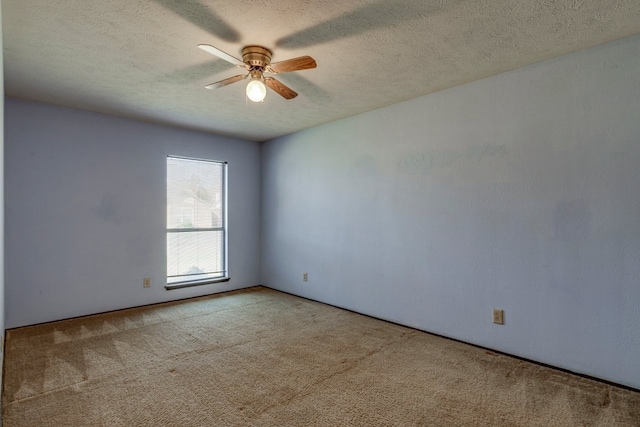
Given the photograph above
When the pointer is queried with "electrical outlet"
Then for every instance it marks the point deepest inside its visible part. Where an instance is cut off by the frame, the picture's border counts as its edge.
(146, 282)
(498, 316)
(305, 277)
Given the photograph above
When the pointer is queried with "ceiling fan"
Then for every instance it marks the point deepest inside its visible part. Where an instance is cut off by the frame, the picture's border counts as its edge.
(257, 60)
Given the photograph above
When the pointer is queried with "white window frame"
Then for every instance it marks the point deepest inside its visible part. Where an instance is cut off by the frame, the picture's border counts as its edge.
(183, 281)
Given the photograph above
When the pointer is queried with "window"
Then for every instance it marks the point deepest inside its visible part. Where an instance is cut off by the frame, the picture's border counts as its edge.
(196, 222)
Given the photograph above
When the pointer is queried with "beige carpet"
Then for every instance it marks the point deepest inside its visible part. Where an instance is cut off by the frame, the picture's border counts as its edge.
(262, 358)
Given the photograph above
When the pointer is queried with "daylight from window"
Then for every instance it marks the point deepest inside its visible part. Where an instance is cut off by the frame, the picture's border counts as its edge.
(196, 224)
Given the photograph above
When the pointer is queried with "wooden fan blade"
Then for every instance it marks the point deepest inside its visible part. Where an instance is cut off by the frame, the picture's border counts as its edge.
(222, 55)
(295, 64)
(279, 88)
(225, 82)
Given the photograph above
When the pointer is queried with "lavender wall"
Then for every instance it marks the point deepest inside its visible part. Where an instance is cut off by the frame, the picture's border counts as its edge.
(1, 208)
(85, 211)
(519, 191)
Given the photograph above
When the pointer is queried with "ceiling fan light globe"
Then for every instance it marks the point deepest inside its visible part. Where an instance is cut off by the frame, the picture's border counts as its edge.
(256, 90)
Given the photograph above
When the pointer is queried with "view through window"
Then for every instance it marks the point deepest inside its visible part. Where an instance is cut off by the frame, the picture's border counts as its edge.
(196, 221)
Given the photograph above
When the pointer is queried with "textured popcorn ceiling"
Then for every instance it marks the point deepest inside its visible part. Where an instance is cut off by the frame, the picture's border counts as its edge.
(138, 58)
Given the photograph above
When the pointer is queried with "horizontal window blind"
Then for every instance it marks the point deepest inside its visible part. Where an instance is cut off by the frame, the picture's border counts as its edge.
(196, 223)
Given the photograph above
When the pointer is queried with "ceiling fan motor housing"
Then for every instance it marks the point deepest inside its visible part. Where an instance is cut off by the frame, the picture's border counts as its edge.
(256, 56)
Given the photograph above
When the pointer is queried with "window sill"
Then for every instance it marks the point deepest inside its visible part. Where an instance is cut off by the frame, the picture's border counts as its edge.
(191, 283)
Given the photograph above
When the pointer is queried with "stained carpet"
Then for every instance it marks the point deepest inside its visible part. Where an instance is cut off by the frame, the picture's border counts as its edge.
(258, 357)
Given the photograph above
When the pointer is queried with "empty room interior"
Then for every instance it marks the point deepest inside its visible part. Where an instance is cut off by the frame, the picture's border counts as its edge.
(317, 213)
